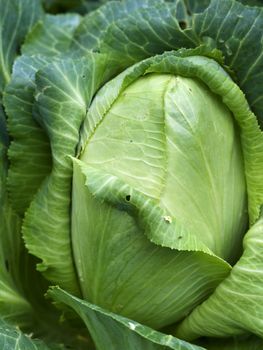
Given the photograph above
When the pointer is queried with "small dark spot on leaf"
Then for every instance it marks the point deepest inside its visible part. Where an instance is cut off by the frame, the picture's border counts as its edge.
(180, 237)
(128, 197)
(183, 25)
(83, 76)
(131, 141)
(190, 89)
(7, 264)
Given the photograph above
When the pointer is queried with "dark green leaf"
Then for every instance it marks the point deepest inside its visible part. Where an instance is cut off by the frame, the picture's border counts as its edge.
(12, 338)
(16, 18)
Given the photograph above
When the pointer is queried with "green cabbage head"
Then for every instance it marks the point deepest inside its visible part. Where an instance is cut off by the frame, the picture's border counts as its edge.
(135, 176)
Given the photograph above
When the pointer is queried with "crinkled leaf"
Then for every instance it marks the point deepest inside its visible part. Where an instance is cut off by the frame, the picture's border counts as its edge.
(236, 30)
(21, 287)
(51, 36)
(147, 32)
(13, 305)
(94, 25)
(29, 152)
(64, 90)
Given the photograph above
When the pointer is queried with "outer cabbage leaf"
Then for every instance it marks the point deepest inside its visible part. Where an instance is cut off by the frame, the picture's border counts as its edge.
(64, 89)
(21, 287)
(12, 338)
(17, 18)
(13, 304)
(15, 21)
(29, 152)
(110, 331)
(52, 35)
(235, 29)
(94, 26)
(240, 293)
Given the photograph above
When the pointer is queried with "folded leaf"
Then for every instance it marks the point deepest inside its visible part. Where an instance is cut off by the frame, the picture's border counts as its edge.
(64, 89)
(240, 294)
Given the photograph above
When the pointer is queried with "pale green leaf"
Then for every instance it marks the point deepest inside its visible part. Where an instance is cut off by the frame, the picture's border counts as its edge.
(165, 152)
(251, 136)
(219, 83)
(125, 263)
(236, 305)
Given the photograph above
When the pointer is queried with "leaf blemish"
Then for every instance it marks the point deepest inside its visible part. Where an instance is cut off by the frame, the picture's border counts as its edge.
(183, 25)
(132, 326)
(167, 219)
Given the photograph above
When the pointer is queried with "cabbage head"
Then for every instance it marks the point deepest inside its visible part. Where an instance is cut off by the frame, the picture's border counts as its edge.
(131, 175)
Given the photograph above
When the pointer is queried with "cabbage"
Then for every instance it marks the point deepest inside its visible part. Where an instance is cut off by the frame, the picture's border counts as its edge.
(131, 175)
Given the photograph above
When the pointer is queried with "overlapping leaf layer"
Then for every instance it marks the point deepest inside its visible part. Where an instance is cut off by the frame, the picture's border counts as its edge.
(52, 117)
